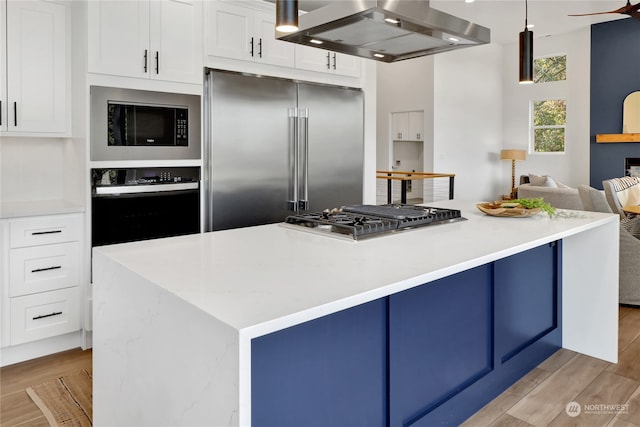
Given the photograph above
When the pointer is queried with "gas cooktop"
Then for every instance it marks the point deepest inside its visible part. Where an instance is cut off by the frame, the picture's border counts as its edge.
(364, 221)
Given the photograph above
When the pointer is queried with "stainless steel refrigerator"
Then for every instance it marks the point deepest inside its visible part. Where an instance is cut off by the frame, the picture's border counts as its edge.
(274, 147)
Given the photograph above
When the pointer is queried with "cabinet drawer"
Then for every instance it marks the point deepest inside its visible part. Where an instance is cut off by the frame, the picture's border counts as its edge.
(38, 316)
(43, 268)
(44, 231)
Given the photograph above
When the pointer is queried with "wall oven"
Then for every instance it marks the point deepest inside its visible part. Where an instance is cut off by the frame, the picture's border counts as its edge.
(130, 204)
(128, 124)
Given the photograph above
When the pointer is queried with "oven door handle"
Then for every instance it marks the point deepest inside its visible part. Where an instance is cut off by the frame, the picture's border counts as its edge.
(151, 188)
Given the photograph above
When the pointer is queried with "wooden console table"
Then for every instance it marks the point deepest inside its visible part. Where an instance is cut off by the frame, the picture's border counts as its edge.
(404, 177)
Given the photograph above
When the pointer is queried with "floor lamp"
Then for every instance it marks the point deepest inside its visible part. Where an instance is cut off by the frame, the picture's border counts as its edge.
(513, 155)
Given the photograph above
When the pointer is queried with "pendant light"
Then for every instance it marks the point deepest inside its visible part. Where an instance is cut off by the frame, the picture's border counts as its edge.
(526, 50)
(287, 16)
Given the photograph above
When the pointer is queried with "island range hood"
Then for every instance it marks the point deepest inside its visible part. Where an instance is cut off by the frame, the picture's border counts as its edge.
(385, 30)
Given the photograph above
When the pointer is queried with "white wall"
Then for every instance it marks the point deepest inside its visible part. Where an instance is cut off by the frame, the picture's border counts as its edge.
(571, 168)
(474, 107)
(31, 169)
(404, 86)
(468, 121)
(461, 95)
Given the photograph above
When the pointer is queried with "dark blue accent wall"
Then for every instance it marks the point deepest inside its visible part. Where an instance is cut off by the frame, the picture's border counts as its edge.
(615, 73)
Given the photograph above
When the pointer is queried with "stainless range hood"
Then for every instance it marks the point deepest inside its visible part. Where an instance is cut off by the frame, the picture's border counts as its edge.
(385, 30)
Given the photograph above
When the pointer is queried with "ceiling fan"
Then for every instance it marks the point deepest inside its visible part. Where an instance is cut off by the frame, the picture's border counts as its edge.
(632, 10)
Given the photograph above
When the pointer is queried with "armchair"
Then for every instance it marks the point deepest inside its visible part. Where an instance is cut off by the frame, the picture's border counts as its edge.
(622, 192)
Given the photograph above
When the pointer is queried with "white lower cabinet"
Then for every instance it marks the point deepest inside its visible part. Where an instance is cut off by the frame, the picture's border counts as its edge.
(42, 263)
(44, 315)
(43, 268)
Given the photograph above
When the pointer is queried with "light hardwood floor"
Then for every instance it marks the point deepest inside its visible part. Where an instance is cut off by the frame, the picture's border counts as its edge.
(16, 407)
(538, 399)
(541, 397)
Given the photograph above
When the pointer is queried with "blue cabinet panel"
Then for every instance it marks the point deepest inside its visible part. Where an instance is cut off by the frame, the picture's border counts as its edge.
(440, 342)
(525, 299)
(431, 355)
(329, 372)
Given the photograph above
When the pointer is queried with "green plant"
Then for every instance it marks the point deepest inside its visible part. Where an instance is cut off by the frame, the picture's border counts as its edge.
(536, 202)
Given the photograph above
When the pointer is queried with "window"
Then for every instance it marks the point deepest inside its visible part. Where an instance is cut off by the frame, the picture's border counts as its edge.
(550, 69)
(549, 120)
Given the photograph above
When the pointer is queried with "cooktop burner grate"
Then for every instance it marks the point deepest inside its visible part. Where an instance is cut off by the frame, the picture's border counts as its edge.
(360, 221)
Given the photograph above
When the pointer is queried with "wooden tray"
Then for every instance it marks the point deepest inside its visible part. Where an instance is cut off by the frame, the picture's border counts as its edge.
(494, 209)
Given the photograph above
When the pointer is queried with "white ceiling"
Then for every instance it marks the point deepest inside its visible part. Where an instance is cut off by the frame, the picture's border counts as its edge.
(505, 18)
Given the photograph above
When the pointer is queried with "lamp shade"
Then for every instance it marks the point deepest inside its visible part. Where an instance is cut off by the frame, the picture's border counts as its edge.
(287, 15)
(513, 154)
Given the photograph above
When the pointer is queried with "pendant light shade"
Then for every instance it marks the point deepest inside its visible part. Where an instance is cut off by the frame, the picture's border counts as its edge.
(526, 50)
(526, 56)
(287, 15)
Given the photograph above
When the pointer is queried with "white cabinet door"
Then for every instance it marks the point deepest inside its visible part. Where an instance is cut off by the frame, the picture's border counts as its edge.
(416, 125)
(400, 126)
(230, 31)
(176, 40)
(315, 59)
(118, 39)
(3, 67)
(270, 50)
(312, 59)
(346, 65)
(238, 32)
(36, 67)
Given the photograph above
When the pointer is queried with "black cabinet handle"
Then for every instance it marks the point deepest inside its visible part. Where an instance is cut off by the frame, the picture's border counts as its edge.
(334, 60)
(252, 47)
(145, 60)
(15, 113)
(260, 48)
(157, 62)
(38, 270)
(55, 313)
(328, 61)
(37, 233)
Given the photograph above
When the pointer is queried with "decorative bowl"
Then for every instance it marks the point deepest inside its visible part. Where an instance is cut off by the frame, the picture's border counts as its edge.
(507, 210)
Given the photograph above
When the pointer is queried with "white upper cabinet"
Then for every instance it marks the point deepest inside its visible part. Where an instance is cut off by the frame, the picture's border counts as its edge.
(146, 39)
(407, 126)
(314, 59)
(239, 32)
(119, 38)
(34, 68)
(3, 67)
(416, 125)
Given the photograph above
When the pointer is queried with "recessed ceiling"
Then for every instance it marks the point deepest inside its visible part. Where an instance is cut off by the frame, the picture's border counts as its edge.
(506, 18)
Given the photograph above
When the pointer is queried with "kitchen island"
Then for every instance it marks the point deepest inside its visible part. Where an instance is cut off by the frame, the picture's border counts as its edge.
(271, 325)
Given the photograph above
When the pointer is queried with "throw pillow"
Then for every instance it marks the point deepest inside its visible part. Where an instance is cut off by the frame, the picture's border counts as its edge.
(542, 181)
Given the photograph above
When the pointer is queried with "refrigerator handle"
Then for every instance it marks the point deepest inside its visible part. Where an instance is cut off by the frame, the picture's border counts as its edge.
(303, 198)
(292, 203)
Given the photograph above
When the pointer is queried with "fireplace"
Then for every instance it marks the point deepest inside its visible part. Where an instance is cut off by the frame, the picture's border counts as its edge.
(632, 166)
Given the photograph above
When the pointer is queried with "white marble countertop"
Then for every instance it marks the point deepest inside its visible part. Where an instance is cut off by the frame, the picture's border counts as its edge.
(37, 208)
(265, 278)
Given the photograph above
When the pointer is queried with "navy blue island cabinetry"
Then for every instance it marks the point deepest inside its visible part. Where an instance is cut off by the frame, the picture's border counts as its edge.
(430, 355)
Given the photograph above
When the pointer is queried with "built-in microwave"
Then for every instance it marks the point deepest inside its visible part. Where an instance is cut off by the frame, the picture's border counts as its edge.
(129, 124)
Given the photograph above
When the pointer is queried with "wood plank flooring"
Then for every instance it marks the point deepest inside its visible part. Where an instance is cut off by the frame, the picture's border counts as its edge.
(16, 408)
(538, 399)
(541, 397)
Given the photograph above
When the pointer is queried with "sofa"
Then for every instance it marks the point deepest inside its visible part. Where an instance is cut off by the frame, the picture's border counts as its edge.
(556, 194)
(629, 270)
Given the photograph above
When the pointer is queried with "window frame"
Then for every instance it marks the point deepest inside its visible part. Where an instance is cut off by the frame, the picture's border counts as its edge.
(532, 127)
